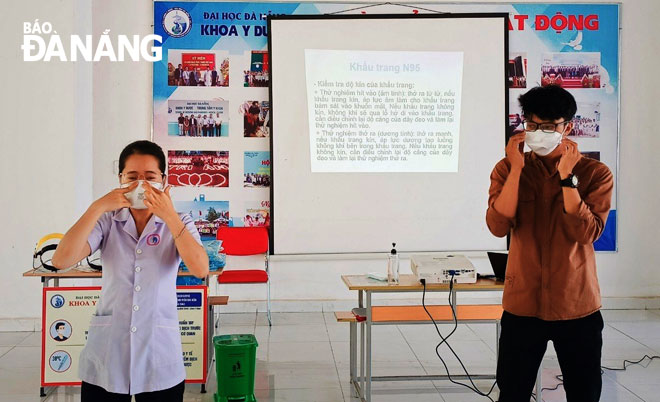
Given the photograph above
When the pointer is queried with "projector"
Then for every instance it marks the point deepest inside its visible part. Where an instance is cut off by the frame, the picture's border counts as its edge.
(438, 269)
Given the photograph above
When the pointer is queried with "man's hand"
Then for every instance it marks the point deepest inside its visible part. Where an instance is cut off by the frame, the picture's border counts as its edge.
(514, 151)
(159, 202)
(115, 199)
(569, 158)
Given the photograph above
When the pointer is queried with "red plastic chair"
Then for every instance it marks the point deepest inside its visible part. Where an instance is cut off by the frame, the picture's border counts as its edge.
(245, 241)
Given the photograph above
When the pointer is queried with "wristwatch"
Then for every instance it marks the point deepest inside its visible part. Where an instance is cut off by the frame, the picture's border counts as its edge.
(571, 181)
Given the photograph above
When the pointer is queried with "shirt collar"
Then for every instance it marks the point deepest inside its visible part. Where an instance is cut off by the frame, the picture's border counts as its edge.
(122, 215)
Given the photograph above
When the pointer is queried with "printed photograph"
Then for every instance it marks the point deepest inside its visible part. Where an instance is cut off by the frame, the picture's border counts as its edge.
(257, 213)
(517, 70)
(192, 68)
(586, 122)
(208, 217)
(257, 74)
(571, 70)
(195, 118)
(256, 171)
(198, 168)
(256, 118)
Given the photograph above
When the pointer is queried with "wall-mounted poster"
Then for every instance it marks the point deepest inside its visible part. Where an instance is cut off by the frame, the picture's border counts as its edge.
(575, 46)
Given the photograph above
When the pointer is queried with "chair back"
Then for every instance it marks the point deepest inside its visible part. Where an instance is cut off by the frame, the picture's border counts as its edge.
(243, 240)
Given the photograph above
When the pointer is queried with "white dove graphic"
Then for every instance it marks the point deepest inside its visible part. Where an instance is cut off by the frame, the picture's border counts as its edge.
(576, 43)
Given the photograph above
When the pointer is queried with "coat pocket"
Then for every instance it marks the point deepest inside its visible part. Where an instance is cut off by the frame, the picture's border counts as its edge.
(98, 338)
(167, 342)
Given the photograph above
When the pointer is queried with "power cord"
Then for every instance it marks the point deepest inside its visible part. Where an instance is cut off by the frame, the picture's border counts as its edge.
(626, 363)
(471, 387)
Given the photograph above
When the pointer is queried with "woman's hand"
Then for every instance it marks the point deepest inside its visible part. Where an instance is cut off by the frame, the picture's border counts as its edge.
(159, 202)
(115, 199)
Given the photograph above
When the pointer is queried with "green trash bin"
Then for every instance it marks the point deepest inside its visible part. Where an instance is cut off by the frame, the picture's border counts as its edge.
(235, 361)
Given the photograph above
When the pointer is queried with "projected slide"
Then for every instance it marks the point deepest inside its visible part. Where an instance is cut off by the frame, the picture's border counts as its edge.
(383, 111)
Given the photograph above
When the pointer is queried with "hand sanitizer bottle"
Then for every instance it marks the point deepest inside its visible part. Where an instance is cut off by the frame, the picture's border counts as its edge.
(393, 266)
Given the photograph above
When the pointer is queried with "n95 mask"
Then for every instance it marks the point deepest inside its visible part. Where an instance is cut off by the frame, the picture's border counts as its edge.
(136, 196)
(542, 143)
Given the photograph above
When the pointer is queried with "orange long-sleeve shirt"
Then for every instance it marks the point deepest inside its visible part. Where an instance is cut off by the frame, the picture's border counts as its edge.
(551, 270)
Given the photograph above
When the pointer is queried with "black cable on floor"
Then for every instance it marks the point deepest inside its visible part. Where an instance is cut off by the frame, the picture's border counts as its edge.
(626, 363)
(473, 388)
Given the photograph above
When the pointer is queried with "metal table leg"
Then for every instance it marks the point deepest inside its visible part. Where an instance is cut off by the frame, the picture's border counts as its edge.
(353, 356)
(367, 389)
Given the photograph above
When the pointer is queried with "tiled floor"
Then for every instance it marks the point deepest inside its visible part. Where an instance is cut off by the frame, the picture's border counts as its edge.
(304, 358)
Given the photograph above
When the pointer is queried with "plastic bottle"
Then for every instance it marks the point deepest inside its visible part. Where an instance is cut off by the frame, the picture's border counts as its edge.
(393, 266)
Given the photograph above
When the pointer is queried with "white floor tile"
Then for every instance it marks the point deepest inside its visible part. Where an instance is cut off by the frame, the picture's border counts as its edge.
(234, 329)
(13, 338)
(34, 339)
(237, 318)
(299, 395)
(291, 319)
(19, 381)
(21, 357)
(610, 316)
(653, 343)
(647, 392)
(378, 333)
(297, 376)
(646, 373)
(292, 333)
(468, 351)
(427, 332)
(650, 329)
(619, 349)
(4, 350)
(295, 352)
(381, 352)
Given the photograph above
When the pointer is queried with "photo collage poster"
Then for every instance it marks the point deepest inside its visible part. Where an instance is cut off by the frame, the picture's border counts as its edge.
(212, 111)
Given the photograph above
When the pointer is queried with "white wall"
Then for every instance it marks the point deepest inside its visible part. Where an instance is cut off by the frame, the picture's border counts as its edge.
(45, 180)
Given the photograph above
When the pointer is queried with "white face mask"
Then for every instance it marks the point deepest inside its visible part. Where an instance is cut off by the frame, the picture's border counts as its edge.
(542, 143)
(136, 196)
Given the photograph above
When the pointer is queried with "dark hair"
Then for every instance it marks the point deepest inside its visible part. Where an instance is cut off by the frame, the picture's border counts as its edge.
(551, 102)
(59, 325)
(142, 147)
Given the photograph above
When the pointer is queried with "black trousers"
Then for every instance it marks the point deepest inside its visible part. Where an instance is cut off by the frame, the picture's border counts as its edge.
(523, 341)
(94, 393)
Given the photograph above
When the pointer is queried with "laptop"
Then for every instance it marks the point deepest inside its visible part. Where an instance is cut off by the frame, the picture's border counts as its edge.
(498, 262)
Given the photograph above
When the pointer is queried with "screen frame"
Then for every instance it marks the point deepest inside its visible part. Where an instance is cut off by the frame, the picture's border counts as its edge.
(443, 15)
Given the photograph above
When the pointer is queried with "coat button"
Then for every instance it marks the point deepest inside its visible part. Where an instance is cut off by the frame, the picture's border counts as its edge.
(138, 269)
(138, 288)
(136, 307)
(139, 251)
(133, 329)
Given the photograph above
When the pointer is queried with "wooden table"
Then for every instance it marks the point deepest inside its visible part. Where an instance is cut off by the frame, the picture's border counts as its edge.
(407, 283)
(74, 273)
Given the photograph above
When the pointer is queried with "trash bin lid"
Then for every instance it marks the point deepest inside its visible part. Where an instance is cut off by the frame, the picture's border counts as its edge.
(235, 340)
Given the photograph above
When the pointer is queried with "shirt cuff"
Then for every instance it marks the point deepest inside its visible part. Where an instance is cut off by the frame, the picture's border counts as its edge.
(498, 218)
(581, 216)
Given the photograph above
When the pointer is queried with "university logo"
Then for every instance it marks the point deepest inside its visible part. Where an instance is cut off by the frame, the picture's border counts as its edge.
(153, 239)
(57, 301)
(177, 22)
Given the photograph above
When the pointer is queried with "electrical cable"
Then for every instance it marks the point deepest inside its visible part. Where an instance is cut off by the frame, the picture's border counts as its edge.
(473, 387)
(625, 366)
